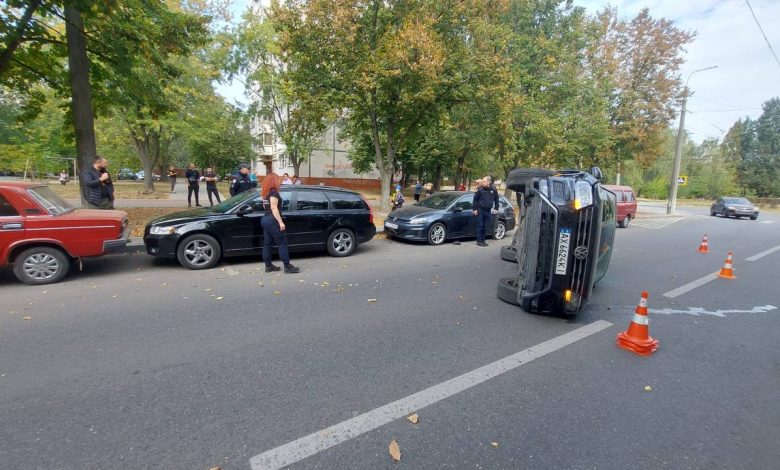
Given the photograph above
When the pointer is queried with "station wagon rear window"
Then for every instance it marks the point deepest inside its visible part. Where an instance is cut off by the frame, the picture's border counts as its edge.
(346, 201)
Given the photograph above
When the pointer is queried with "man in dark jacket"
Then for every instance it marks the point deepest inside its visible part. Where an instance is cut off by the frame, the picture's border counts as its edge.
(242, 182)
(193, 184)
(485, 205)
(97, 186)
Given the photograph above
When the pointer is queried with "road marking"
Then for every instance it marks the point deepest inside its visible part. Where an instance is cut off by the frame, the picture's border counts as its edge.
(655, 222)
(763, 253)
(691, 285)
(716, 313)
(312, 444)
(767, 222)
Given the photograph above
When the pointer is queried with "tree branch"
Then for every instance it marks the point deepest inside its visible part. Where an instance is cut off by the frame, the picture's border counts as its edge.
(15, 38)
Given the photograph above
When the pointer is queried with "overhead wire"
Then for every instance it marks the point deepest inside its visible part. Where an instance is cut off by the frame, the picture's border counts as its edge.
(762, 32)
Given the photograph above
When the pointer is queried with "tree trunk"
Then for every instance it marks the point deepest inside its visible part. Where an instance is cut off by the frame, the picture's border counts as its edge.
(81, 98)
(461, 163)
(437, 178)
(385, 173)
(296, 162)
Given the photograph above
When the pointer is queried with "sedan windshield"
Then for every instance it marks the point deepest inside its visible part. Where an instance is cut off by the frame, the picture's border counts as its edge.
(438, 201)
(50, 200)
(229, 204)
(738, 200)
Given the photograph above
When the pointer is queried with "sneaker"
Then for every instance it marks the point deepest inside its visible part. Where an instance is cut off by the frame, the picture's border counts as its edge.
(198, 205)
(290, 269)
(272, 268)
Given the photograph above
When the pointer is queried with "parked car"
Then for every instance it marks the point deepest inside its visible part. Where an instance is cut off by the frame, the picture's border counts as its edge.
(317, 218)
(126, 174)
(446, 216)
(564, 240)
(626, 203)
(734, 207)
(141, 174)
(41, 235)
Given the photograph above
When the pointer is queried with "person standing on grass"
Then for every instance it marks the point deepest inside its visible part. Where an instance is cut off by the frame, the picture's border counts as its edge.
(97, 186)
(485, 205)
(172, 174)
(211, 185)
(193, 184)
(273, 226)
(417, 190)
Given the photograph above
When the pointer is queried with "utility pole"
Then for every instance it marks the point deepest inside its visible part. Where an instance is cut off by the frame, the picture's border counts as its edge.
(671, 205)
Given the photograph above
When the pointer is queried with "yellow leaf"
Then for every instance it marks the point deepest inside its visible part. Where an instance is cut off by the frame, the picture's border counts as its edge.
(220, 298)
(215, 468)
(395, 451)
(209, 290)
(372, 300)
(648, 388)
(325, 283)
(276, 292)
(26, 318)
(414, 418)
(494, 444)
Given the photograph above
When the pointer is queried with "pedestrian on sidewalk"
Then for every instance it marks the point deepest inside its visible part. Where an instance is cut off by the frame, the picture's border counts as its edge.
(97, 186)
(287, 179)
(296, 180)
(485, 205)
(172, 174)
(417, 190)
(273, 226)
(242, 182)
(211, 185)
(193, 184)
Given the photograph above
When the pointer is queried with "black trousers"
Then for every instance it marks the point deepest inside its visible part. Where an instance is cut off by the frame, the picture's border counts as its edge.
(483, 219)
(416, 196)
(271, 235)
(192, 188)
(212, 190)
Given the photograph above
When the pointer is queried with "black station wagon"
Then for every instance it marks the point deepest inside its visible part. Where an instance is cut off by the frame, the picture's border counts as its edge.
(317, 218)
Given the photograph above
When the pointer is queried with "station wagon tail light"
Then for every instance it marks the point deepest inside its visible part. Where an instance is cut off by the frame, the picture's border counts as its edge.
(162, 230)
(583, 195)
(370, 210)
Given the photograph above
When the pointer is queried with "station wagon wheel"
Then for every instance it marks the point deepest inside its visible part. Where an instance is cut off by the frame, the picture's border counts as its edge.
(499, 232)
(437, 234)
(199, 251)
(341, 242)
(41, 265)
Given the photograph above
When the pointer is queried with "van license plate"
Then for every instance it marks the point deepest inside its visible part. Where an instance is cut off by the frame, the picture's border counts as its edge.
(561, 261)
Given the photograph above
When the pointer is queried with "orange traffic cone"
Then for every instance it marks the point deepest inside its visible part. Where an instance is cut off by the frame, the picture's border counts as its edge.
(704, 247)
(637, 337)
(727, 271)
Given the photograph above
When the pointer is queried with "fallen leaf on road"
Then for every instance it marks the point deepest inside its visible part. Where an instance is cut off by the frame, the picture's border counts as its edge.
(139, 279)
(26, 318)
(222, 269)
(372, 300)
(494, 444)
(648, 388)
(260, 284)
(434, 282)
(460, 297)
(340, 290)
(276, 292)
(414, 418)
(114, 296)
(343, 266)
(163, 284)
(13, 311)
(325, 283)
(215, 468)
(209, 290)
(395, 451)
(45, 292)
(220, 298)
(458, 323)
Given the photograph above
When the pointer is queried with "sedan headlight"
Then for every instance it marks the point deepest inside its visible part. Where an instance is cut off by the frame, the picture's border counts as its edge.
(418, 221)
(731, 208)
(583, 195)
(162, 230)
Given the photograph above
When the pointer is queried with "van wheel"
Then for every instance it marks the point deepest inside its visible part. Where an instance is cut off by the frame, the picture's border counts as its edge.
(341, 242)
(41, 265)
(199, 251)
(624, 223)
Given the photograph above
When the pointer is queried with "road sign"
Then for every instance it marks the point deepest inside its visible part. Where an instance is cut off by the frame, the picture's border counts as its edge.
(682, 180)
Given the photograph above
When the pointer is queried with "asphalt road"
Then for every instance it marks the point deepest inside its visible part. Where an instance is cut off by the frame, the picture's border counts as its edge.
(136, 363)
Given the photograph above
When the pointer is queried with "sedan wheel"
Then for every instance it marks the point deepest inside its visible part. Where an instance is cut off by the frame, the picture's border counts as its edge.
(437, 234)
(712, 212)
(199, 251)
(341, 242)
(42, 265)
(500, 231)
(724, 214)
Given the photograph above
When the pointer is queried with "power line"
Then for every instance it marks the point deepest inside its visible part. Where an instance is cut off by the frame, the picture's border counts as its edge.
(762, 32)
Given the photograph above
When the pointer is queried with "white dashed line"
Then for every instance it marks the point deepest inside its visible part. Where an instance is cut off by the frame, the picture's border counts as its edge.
(655, 222)
(692, 285)
(763, 253)
(312, 444)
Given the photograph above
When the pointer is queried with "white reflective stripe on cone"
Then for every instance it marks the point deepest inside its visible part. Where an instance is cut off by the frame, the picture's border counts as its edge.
(641, 320)
(643, 302)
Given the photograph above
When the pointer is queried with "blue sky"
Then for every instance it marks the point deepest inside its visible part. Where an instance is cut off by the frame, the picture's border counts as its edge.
(727, 36)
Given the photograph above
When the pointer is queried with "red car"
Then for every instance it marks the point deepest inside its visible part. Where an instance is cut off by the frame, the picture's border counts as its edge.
(41, 235)
(626, 203)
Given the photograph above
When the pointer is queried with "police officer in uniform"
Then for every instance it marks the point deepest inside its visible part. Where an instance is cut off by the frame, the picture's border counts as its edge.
(485, 205)
(242, 182)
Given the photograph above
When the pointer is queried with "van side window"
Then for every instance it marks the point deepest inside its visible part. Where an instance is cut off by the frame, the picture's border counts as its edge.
(6, 209)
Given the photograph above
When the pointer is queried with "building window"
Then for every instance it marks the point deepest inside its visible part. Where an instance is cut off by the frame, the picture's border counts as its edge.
(283, 161)
(268, 139)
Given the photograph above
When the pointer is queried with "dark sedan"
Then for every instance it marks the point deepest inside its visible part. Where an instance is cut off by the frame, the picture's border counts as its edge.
(734, 207)
(445, 216)
(317, 218)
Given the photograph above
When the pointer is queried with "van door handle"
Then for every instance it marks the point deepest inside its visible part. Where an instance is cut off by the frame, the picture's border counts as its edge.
(11, 226)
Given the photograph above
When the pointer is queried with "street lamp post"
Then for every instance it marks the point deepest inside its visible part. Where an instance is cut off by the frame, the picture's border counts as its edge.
(671, 205)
